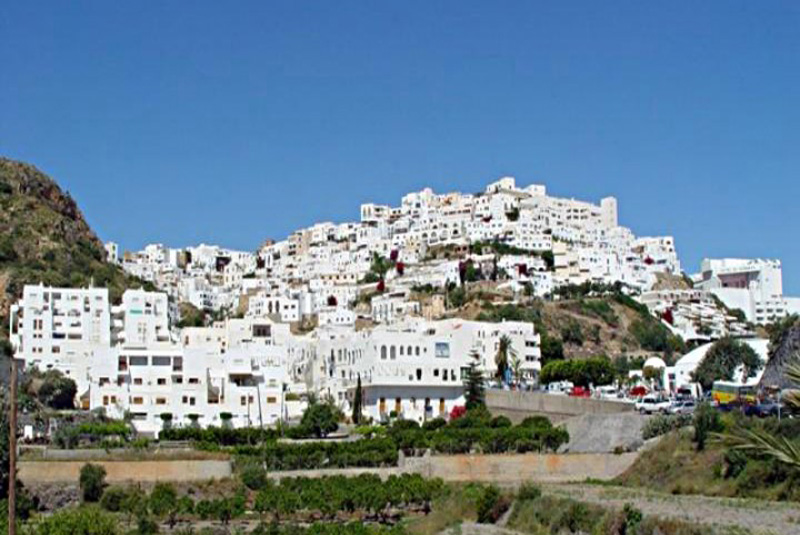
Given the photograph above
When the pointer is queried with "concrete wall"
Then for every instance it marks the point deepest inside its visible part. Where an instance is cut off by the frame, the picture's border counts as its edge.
(517, 405)
(36, 472)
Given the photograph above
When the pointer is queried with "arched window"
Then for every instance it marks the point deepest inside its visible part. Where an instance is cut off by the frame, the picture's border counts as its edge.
(392, 353)
(383, 352)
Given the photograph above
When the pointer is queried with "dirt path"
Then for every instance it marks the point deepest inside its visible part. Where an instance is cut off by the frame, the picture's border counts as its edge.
(760, 517)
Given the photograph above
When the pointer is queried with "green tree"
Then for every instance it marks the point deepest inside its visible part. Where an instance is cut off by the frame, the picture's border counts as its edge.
(320, 419)
(474, 387)
(722, 361)
(357, 402)
(57, 391)
(163, 502)
(92, 482)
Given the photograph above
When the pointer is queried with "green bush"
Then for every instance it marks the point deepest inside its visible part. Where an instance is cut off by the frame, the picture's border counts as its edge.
(113, 499)
(253, 476)
(85, 520)
(92, 482)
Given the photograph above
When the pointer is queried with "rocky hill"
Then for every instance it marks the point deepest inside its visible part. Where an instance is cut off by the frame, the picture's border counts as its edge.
(784, 348)
(44, 238)
(578, 325)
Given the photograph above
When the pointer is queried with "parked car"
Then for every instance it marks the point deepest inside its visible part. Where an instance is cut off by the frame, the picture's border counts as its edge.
(764, 409)
(606, 392)
(580, 392)
(559, 387)
(652, 404)
(682, 406)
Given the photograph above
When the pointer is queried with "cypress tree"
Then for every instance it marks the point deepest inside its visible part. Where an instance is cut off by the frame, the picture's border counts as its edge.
(357, 402)
(473, 386)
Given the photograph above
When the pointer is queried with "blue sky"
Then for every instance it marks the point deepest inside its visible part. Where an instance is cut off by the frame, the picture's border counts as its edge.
(182, 122)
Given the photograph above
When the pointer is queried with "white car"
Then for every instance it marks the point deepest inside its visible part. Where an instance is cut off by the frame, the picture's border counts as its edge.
(682, 406)
(651, 404)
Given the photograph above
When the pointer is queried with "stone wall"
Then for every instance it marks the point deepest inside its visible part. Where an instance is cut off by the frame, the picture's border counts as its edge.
(515, 469)
(503, 469)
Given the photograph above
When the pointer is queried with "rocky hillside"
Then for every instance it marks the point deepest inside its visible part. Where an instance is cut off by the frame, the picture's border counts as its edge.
(44, 238)
(575, 326)
(784, 348)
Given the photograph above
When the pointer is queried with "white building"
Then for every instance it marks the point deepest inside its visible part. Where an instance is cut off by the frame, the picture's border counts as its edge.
(754, 286)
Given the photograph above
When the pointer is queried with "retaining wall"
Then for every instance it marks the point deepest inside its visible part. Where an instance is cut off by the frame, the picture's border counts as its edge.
(516, 469)
(516, 405)
(36, 472)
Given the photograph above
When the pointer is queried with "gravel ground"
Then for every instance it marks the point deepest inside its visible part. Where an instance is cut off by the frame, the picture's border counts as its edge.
(760, 517)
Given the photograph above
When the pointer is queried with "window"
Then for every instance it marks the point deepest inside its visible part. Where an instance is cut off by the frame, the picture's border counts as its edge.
(262, 331)
(177, 380)
(137, 401)
(137, 381)
(162, 361)
(138, 361)
(419, 374)
(162, 381)
(272, 399)
(105, 400)
(161, 401)
(392, 353)
(417, 351)
(383, 352)
(436, 372)
(194, 381)
(442, 350)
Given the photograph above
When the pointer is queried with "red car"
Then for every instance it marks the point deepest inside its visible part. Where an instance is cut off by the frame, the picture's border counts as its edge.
(580, 392)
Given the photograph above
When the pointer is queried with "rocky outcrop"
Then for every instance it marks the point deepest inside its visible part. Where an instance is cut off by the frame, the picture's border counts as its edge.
(784, 349)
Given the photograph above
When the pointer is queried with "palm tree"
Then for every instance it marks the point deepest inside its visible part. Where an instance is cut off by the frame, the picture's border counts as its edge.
(516, 369)
(761, 441)
(502, 357)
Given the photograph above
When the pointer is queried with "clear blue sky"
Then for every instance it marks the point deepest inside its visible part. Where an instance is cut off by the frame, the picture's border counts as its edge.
(181, 122)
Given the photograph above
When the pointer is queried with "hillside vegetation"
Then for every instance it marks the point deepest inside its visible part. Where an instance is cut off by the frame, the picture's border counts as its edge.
(44, 238)
(585, 321)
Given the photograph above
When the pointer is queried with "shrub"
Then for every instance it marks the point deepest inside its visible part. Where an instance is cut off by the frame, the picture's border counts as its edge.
(434, 424)
(529, 491)
(491, 505)
(86, 520)
(253, 476)
(113, 499)
(500, 421)
(706, 421)
(92, 482)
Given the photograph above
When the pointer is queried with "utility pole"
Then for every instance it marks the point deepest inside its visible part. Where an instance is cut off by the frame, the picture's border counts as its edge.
(12, 452)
